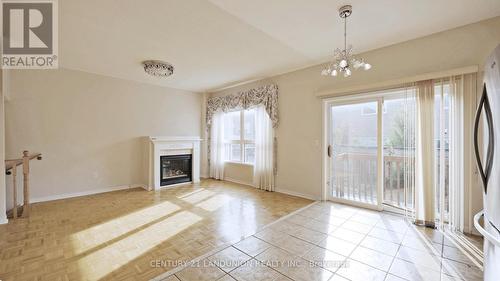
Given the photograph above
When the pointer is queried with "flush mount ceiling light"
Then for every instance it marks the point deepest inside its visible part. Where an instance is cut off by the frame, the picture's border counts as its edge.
(158, 68)
(343, 60)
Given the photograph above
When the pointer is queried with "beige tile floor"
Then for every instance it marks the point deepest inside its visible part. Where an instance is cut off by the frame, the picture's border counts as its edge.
(328, 241)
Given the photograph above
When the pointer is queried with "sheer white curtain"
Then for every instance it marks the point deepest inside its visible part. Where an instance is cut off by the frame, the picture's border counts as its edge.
(409, 143)
(424, 159)
(263, 170)
(217, 148)
(461, 87)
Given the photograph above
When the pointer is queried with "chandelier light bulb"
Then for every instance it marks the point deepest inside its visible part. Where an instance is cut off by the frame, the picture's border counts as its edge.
(343, 63)
(324, 72)
(347, 72)
(367, 66)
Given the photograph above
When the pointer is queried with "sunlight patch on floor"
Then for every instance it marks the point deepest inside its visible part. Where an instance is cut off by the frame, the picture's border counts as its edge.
(186, 194)
(97, 235)
(104, 261)
(214, 203)
(197, 196)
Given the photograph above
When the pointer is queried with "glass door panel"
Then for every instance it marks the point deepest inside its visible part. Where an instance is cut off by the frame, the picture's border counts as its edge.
(354, 151)
(399, 151)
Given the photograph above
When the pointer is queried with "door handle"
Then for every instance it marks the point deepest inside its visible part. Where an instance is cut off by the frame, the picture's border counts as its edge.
(329, 151)
(483, 231)
(484, 173)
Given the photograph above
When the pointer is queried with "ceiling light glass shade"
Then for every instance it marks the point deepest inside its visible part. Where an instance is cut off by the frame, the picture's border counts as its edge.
(158, 68)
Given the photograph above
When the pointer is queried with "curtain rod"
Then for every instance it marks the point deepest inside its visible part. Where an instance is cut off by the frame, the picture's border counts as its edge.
(395, 83)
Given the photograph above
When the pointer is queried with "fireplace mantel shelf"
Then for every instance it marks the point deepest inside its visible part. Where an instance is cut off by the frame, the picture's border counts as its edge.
(169, 139)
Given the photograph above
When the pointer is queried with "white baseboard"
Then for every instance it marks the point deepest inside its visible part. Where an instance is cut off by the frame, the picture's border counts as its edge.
(297, 194)
(83, 193)
(279, 190)
(238, 181)
(4, 220)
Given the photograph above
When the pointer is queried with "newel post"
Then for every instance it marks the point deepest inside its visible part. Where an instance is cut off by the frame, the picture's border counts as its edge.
(26, 171)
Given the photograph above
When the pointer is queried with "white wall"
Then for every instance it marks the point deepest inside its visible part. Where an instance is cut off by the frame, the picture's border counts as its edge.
(239, 173)
(300, 130)
(3, 193)
(90, 128)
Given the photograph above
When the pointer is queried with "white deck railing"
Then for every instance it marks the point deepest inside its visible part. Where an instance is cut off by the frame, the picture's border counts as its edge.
(355, 178)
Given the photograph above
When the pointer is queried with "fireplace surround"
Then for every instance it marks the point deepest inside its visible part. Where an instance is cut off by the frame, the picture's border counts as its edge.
(173, 160)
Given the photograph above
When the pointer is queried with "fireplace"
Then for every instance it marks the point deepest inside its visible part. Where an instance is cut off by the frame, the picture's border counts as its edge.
(175, 169)
(185, 150)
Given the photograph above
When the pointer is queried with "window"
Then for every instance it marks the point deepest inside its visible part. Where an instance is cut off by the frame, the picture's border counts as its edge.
(371, 109)
(239, 136)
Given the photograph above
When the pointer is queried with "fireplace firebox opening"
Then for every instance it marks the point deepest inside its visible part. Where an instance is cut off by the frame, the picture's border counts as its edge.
(175, 169)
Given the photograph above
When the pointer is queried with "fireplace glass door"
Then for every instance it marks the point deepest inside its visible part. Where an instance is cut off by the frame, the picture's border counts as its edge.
(175, 169)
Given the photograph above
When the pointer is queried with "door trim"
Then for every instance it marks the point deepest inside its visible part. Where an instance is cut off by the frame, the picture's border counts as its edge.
(356, 203)
(380, 153)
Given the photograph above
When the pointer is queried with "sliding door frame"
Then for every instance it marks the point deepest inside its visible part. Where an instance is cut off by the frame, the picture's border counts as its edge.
(327, 161)
(378, 96)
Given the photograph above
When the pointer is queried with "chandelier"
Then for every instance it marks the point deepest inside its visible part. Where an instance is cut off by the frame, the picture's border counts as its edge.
(344, 60)
(158, 68)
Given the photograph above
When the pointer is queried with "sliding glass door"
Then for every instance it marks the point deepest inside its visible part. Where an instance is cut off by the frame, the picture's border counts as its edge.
(371, 145)
(371, 150)
(354, 152)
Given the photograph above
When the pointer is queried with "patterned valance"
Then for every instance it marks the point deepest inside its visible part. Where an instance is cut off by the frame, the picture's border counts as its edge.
(265, 95)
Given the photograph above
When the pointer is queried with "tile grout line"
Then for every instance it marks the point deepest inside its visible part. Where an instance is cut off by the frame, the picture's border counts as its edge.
(286, 217)
(315, 244)
(254, 258)
(225, 245)
(357, 246)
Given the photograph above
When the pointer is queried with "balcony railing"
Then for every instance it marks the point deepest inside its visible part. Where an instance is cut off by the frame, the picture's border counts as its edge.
(355, 177)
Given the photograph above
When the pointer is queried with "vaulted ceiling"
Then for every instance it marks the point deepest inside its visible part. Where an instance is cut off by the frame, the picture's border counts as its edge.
(214, 43)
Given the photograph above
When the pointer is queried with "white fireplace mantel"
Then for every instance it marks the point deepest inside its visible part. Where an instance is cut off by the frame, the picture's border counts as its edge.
(160, 146)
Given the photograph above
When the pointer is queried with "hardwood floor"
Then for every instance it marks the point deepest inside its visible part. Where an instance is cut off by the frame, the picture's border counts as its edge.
(134, 234)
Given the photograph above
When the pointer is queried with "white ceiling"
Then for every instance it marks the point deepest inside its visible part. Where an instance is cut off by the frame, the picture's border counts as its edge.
(215, 43)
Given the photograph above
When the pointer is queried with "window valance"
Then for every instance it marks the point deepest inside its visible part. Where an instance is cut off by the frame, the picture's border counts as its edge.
(266, 95)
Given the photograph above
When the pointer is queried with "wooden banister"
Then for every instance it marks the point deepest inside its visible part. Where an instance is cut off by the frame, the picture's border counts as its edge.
(10, 163)
(11, 168)
(14, 193)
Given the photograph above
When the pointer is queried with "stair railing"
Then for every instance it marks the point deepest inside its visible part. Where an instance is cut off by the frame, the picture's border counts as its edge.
(11, 169)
